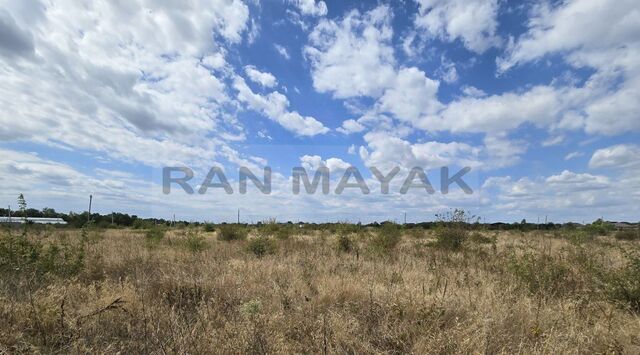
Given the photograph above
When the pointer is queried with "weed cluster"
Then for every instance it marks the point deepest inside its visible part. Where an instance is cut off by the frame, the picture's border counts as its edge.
(231, 232)
(386, 239)
(261, 246)
(19, 254)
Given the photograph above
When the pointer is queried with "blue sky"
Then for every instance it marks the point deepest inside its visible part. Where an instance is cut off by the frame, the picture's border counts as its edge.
(539, 98)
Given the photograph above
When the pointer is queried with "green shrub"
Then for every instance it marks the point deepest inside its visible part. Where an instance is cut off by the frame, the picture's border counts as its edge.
(478, 238)
(628, 234)
(155, 234)
(599, 228)
(542, 274)
(577, 237)
(194, 242)
(386, 239)
(230, 232)
(261, 246)
(275, 229)
(623, 286)
(209, 227)
(21, 255)
(451, 237)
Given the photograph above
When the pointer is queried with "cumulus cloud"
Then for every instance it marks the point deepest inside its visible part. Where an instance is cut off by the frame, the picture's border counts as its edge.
(275, 106)
(313, 162)
(586, 25)
(345, 53)
(265, 79)
(122, 79)
(471, 21)
(565, 196)
(590, 33)
(311, 7)
(579, 182)
(618, 156)
(385, 151)
(539, 105)
(351, 126)
(411, 95)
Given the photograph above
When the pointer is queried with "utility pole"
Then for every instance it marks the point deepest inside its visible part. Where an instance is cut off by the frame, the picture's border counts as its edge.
(90, 200)
(9, 213)
(238, 216)
(405, 218)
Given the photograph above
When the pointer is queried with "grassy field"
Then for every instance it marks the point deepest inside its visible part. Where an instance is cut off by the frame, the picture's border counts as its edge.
(345, 290)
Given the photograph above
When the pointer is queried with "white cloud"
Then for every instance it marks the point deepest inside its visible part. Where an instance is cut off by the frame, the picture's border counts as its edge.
(596, 34)
(565, 196)
(386, 151)
(313, 162)
(275, 106)
(553, 140)
(579, 182)
(122, 79)
(585, 25)
(540, 106)
(311, 7)
(473, 92)
(472, 21)
(619, 156)
(282, 51)
(500, 151)
(447, 71)
(411, 96)
(351, 126)
(265, 79)
(573, 155)
(344, 54)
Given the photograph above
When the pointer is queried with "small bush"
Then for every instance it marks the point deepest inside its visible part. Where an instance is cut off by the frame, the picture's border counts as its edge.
(599, 228)
(451, 238)
(155, 234)
(478, 238)
(194, 242)
(628, 235)
(209, 227)
(261, 246)
(623, 286)
(344, 243)
(230, 232)
(275, 229)
(386, 239)
(19, 255)
(542, 274)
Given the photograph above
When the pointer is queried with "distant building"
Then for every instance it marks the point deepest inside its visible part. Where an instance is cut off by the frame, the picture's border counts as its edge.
(35, 220)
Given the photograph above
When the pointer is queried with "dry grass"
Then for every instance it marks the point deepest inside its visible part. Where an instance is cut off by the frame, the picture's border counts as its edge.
(505, 293)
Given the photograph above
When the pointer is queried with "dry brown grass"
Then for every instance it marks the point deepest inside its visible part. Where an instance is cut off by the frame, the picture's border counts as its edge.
(522, 293)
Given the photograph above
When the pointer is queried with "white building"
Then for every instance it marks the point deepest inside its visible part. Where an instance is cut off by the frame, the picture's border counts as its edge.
(36, 220)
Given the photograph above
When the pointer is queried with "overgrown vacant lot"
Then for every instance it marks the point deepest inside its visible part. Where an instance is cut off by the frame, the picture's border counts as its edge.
(346, 290)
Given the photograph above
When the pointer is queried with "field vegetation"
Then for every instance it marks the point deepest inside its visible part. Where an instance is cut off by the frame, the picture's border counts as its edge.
(280, 288)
